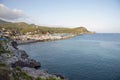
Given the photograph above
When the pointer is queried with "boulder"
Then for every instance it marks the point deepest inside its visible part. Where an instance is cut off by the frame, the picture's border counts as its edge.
(14, 44)
(24, 55)
(36, 73)
(25, 61)
(35, 63)
(60, 76)
(31, 64)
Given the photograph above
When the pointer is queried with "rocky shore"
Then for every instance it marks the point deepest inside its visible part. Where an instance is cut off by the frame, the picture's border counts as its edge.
(16, 65)
(26, 39)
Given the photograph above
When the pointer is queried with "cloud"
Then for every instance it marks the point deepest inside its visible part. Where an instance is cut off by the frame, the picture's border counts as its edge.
(10, 14)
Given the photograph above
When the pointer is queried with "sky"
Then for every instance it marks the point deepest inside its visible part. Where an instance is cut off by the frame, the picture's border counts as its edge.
(102, 16)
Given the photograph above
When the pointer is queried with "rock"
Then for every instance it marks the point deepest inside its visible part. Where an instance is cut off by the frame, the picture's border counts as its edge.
(21, 64)
(14, 44)
(36, 73)
(24, 60)
(26, 64)
(24, 55)
(4, 57)
(12, 60)
(59, 75)
(35, 64)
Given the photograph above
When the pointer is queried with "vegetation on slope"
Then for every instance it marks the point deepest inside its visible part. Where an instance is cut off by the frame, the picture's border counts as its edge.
(23, 28)
(3, 45)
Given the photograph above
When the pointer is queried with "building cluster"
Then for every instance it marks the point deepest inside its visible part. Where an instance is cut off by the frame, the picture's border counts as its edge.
(28, 36)
(5, 32)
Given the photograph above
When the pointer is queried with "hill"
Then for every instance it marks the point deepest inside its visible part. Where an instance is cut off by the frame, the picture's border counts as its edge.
(23, 28)
(1, 21)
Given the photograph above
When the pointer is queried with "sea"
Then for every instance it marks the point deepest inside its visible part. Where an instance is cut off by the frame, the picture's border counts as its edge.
(85, 57)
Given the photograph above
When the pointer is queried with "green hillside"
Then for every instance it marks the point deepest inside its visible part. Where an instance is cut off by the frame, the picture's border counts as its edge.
(22, 28)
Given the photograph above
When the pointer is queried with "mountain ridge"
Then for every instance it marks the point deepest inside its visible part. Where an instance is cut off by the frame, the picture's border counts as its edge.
(25, 27)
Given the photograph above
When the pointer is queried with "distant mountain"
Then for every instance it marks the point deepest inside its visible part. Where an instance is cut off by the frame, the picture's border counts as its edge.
(23, 28)
(2, 21)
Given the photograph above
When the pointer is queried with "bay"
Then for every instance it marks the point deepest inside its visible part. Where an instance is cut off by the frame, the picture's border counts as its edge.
(85, 57)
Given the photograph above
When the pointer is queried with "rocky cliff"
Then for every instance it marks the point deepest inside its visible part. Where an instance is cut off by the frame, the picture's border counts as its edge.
(15, 64)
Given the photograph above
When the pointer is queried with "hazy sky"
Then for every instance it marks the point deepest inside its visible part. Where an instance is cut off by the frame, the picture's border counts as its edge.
(96, 15)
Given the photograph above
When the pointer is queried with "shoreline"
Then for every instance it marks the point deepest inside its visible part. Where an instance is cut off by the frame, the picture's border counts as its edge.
(18, 62)
(51, 38)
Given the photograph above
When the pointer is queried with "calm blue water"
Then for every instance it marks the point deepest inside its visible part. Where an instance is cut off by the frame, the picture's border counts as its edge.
(85, 57)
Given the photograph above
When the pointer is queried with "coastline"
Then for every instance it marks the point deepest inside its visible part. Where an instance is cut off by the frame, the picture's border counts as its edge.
(27, 39)
(21, 66)
(48, 38)
(27, 42)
